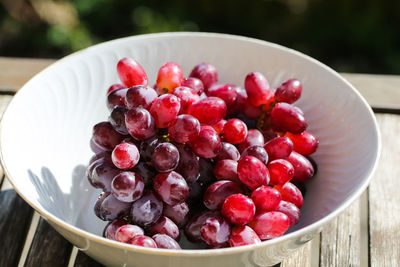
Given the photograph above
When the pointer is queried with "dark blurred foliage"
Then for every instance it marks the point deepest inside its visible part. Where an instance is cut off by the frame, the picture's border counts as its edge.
(351, 36)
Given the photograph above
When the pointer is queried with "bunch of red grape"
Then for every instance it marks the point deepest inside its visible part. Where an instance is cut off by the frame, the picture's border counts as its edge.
(213, 159)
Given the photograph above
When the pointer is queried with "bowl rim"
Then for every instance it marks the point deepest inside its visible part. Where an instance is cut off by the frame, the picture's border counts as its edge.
(315, 226)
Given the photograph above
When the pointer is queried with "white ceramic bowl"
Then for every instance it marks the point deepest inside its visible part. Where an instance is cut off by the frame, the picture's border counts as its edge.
(46, 129)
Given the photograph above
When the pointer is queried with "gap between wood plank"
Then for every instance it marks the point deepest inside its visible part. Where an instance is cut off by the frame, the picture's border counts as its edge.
(29, 238)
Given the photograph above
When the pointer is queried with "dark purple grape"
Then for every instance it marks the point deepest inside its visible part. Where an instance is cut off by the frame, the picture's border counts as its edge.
(112, 227)
(195, 84)
(147, 209)
(102, 176)
(127, 186)
(101, 155)
(95, 147)
(112, 208)
(165, 226)
(140, 124)
(171, 187)
(105, 136)
(146, 171)
(165, 241)
(206, 171)
(258, 152)
(216, 193)
(254, 138)
(117, 119)
(195, 193)
(116, 98)
(226, 170)
(98, 203)
(228, 151)
(215, 231)
(193, 227)
(177, 213)
(165, 157)
(140, 96)
(188, 166)
(147, 147)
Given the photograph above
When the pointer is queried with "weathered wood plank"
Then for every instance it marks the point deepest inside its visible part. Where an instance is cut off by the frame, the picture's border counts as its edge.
(15, 217)
(381, 91)
(4, 100)
(83, 260)
(48, 247)
(300, 258)
(340, 241)
(15, 72)
(384, 197)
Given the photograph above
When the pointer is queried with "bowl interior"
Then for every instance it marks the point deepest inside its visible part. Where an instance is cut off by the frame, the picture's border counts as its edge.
(47, 127)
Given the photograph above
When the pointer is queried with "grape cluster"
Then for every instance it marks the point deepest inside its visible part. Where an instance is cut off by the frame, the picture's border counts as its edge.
(221, 162)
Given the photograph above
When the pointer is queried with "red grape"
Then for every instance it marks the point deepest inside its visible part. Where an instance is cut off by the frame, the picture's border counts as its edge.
(140, 124)
(226, 92)
(252, 172)
(207, 143)
(146, 210)
(127, 232)
(196, 85)
(291, 210)
(127, 186)
(280, 171)
(209, 110)
(125, 156)
(257, 89)
(235, 131)
(216, 193)
(290, 193)
(226, 170)
(289, 91)
(186, 96)
(219, 126)
(165, 226)
(171, 187)
(266, 198)
(238, 209)
(254, 138)
(303, 169)
(140, 96)
(165, 241)
(215, 231)
(131, 73)
(270, 224)
(184, 128)
(279, 148)
(246, 108)
(105, 136)
(286, 117)
(304, 143)
(165, 109)
(169, 77)
(242, 236)
(207, 73)
(143, 241)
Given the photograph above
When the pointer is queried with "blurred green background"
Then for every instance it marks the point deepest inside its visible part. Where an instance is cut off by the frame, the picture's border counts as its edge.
(350, 36)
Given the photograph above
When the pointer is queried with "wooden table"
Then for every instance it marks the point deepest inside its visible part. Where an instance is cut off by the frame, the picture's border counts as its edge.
(367, 233)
